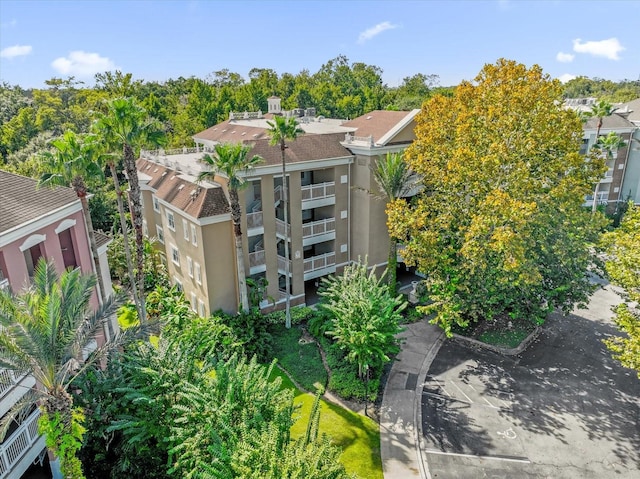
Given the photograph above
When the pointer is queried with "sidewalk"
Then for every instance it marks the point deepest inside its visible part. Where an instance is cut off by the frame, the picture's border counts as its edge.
(400, 413)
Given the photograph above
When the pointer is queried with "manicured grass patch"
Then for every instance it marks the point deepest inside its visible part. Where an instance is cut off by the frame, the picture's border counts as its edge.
(358, 436)
(301, 359)
(504, 338)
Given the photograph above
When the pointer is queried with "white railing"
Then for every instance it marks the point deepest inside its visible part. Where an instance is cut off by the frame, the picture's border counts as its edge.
(13, 448)
(257, 258)
(603, 197)
(609, 173)
(247, 115)
(153, 154)
(8, 379)
(4, 284)
(254, 220)
(281, 227)
(320, 262)
(349, 138)
(282, 263)
(277, 194)
(318, 190)
(319, 227)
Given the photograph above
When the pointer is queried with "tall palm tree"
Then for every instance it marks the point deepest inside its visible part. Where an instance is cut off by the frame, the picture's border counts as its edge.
(127, 125)
(395, 180)
(46, 330)
(599, 110)
(229, 160)
(608, 145)
(74, 160)
(280, 130)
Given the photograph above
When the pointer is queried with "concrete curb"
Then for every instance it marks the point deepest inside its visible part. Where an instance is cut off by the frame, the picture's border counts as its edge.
(497, 349)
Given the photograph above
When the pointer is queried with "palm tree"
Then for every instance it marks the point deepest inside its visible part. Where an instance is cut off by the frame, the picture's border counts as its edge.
(599, 110)
(74, 160)
(395, 180)
(46, 330)
(127, 125)
(280, 130)
(230, 159)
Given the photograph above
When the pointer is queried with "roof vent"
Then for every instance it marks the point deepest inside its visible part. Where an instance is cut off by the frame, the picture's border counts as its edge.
(243, 133)
(148, 167)
(156, 170)
(163, 173)
(255, 135)
(194, 193)
(180, 187)
(369, 117)
(172, 177)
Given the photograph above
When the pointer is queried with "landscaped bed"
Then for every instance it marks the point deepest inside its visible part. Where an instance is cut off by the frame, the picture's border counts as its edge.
(502, 332)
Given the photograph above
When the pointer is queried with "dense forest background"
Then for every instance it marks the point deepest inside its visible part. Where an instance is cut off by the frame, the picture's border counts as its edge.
(29, 118)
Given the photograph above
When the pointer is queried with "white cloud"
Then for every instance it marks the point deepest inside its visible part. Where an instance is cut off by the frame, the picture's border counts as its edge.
(11, 23)
(16, 51)
(604, 48)
(566, 77)
(82, 64)
(369, 33)
(565, 57)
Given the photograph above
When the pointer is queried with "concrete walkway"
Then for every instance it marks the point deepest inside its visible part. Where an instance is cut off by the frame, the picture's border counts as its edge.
(400, 413)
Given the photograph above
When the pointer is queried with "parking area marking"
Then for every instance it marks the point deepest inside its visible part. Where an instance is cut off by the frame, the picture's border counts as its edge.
(458, 388)
(522, 460)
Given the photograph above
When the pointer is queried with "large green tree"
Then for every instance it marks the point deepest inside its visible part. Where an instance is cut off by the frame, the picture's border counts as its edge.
(623, 269)
(74, 162)
(127, 126)
(395, 180)
(499, 228)
(365, 316)
(229, 160)
(46, 330)
(280, 131)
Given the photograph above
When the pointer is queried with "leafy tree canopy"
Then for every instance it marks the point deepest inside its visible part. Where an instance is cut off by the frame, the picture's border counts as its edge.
(499, 227)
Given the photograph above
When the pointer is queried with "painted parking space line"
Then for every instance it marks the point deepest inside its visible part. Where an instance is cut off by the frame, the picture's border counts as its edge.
(458, 388)
(522, 460)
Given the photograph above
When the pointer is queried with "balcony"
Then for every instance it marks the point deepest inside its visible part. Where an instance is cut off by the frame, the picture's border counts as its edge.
(281, 229)
(282, 265)
(12, 387)
(603, 199)
(318, 194)
(19, 450)
(608, 176)
(4, 284)
(320, 265)
(254, 221)
(318, 231)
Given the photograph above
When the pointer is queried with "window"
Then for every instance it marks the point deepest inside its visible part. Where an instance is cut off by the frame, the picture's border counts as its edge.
(198, 274)
(156, 205)
(160, 234)
(145, 228)
(178, 284)
(185, 228)
(190, 266)
(171, 221)
(201, 309)
(194, 302)
(194, 236)
(175, 255)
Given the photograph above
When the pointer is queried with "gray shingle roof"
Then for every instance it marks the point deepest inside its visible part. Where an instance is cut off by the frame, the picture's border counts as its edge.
(21, 201)
(304, 148)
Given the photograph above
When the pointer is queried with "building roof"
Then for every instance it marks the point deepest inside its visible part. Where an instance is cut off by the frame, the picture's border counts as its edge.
(630, 110)
(181, 191)
(611, 122)
(21, 201)
(102, 239)
(379, 123)
(232, 131)
(304, 148)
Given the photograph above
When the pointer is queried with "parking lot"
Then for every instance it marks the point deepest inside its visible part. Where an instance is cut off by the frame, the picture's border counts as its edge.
(561, 409)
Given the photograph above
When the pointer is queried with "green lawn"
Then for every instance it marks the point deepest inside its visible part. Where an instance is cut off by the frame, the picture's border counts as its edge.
(358, 436)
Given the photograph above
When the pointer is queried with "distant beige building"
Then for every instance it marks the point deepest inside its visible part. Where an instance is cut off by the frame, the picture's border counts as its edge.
(333, 219)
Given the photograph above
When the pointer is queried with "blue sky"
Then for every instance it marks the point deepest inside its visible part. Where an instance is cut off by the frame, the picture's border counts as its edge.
(162, 39)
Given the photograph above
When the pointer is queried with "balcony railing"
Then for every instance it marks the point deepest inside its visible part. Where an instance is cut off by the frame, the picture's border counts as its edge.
(282, 264)
(254, 220)
(4, 284)
(281, 228)
(257, 258)
(318, 190)
(277, 194)
(14, 448)
(319, 227)
(603, 198)
(320, 262)
(8, 380)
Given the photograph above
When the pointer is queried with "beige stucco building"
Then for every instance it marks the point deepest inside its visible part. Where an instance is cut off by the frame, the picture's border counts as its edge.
(333, 218)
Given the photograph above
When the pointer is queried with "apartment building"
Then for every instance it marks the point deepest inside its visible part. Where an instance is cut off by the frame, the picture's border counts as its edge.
(36, 223)
(333, 218)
